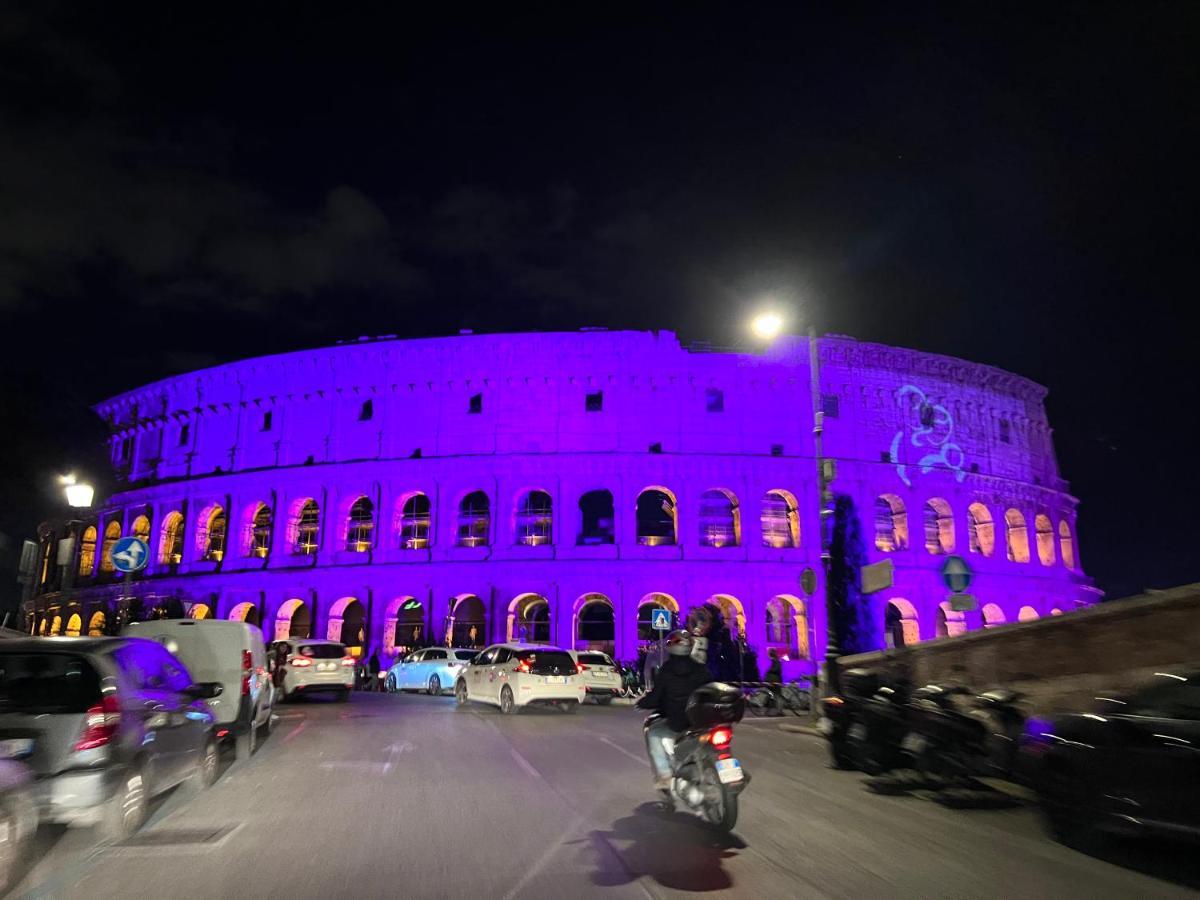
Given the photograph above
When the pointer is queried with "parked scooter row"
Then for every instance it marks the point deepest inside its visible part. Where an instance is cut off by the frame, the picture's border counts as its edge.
(946, 732)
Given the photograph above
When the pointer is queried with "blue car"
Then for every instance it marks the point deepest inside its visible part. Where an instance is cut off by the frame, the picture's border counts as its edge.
(432, 670)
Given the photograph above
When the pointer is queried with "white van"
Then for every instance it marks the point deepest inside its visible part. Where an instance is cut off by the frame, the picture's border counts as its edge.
(231, 653)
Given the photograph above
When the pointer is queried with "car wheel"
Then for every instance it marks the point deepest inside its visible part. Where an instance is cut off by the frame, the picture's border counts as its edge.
(10, 850)
(389, 684)
(206, 769)
(126, 811)
(568, 706)
(460, 694)
(247, 742)
(507, 705)
(435, 686)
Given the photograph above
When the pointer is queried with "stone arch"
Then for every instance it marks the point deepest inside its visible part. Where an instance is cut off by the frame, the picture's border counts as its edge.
(348, 625)
(404, 624)
(468, 622)
(720, 519)
(535, 518)
(1056, 611)
(97, 624)
(360, 525)
(1016, 536)
(141, 528)
(981, 531)
(304, 526)
(657, 517)
(732, 612)
(645, 613)
(950, 622)
(74, 625)
(474, 520)
(1027, 614)
(597, 520)
(413, 520)
(170, 539)
(901, 626)
(87, 551)
(529, 619)
(210, 535)
(939, 526)
(891, 524)
(259, 525)
(112, 534)
(56, 625)
(993, 615)
(1044, 535)
(200, 611)
(245, 612)
(780, 519)
(1066, 544)
(787, 625)
(595, 624)
(293, 619)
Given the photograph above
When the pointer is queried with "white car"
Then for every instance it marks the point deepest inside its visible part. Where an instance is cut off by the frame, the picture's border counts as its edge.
(601, 679)
(515, 675)
(305, 666)
(432, 670)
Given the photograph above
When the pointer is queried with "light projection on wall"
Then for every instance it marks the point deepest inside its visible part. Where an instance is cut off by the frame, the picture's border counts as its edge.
(929, 427)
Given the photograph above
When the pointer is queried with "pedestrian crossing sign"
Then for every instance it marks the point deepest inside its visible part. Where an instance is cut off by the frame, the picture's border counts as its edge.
(660, 620)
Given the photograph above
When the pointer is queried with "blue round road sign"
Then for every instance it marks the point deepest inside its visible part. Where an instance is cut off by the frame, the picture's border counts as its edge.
(956, 574)
(130, 554)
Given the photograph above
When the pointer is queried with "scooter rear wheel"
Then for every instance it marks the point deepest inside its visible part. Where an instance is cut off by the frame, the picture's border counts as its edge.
(720, 806)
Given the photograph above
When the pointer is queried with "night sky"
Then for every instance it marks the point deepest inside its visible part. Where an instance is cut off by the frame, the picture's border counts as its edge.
(1013, 184)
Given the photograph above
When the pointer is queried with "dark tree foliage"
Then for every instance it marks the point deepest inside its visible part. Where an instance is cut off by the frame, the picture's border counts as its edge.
(852, 609)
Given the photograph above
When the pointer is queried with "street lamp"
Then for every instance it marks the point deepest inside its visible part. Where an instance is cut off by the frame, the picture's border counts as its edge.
(766, 326)
(79, 494)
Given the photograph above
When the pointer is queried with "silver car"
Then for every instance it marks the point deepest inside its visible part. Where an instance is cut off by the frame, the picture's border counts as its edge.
(432, 670)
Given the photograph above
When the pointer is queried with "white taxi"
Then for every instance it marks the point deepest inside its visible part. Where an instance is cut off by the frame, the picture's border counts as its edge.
(513, 676)
(601, 679)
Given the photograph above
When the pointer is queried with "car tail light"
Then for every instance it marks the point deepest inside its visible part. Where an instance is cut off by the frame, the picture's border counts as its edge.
(720, 737)
(100, 724)
(522, 666)
(300, 662)
(347, 660)
(579, 667)
(247, 668)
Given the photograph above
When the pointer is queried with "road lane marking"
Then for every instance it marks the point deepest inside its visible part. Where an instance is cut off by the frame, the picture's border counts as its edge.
(525, 764)
(295, 731)
(637, 759)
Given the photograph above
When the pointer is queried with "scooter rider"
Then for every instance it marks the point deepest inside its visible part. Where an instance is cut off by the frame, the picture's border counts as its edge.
(679, 675)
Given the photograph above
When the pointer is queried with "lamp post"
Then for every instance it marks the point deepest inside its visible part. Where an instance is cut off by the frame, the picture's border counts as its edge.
(79, 497)
(766, 326)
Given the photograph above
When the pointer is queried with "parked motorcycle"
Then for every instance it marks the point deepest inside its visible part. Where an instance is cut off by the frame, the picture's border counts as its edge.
(706, 777)
(954, 735)
(866, 722)
(631, 680)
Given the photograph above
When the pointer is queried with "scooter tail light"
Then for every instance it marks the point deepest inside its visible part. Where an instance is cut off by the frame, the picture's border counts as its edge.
(720, 737)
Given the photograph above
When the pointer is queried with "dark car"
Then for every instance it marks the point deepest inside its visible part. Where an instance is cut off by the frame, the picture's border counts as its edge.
(105, 724)
(1132, 765)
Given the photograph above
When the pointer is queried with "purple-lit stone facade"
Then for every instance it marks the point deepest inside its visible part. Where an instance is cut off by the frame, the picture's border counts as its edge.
(287, 448)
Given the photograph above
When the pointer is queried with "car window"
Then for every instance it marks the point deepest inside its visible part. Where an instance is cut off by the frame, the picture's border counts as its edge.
(44, 683)
(595, 659)
(486, 658)
(321, 651)
(435, 654)
(150, 667)
(415, 657)
(466, 655)
(503, 655)
(1170, 698)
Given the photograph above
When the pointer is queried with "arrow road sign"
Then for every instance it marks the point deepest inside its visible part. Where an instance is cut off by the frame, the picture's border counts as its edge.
(660, 620)
(956, 574)
(130, 554)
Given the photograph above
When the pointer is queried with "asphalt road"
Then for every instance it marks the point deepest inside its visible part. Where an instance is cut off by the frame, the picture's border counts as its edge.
(405, 796)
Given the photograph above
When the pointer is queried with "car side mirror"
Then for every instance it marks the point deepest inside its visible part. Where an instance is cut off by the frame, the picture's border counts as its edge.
(205, 690)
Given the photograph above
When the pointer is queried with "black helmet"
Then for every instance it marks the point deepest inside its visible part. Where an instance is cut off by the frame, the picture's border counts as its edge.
(679, 643)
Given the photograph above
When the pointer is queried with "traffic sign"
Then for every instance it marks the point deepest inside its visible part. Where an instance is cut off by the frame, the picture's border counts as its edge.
(877, 576)
(808, 580)
(660, 620)
(130, 554)
(956, 574)
(962, 602)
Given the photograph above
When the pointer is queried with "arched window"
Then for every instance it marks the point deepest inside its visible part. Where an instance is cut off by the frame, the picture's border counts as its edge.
(293, 620)
(596, 518)
(97, 624)
(260, 532)
(595, 627)
(1027, 614)
(141, 529)
(308, 529)
(408, 627)
(170, 547)
(1017, 536)
(414, 523)
(112, 534)
(74, 625)
(360, 526)
(720, 519)
(656, 517)
(993, 615)
(939, 527)
(245, 612)
(474, 520)
(900, 624)
(1045, 539)
(780, 520)
(732, 612)
(529, 619)
(981, 532)
(469, 622)
(535, 519)
(87, 551)
(1066, 544)
(348, 625)
(214, 529)
(950, 622)
(891, 524)
(787, 626)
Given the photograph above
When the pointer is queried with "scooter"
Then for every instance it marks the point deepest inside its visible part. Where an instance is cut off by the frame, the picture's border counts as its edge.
(949, 741)
(706, 777)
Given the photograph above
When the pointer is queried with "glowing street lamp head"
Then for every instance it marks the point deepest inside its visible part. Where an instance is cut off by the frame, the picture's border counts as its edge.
(767, 326)
(79, 495)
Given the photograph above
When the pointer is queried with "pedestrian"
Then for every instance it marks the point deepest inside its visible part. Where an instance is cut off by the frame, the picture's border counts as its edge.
(373, 671)
(774, 680)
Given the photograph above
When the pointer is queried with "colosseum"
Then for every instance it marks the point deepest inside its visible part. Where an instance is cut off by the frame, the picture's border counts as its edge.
(561, 486)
